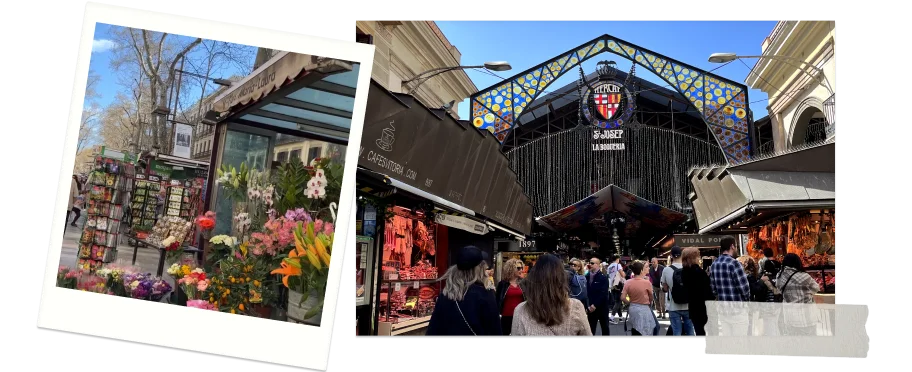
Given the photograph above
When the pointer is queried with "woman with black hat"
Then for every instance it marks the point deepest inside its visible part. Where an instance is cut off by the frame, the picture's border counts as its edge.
(465, 307)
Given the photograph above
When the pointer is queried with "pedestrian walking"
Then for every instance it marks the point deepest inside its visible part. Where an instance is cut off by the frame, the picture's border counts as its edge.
(655, 276)
(677, 300)
(577, 282)
(698, 289)
(616, 285)
(598, 292)
(637, 293)
(465, 307)
(549, 310)
(73, 201)
(509, 293)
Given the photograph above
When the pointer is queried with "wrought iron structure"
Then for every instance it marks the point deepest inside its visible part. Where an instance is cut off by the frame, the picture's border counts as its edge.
(721, 103)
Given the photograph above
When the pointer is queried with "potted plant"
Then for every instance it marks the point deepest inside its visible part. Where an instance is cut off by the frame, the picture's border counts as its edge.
(305, 271)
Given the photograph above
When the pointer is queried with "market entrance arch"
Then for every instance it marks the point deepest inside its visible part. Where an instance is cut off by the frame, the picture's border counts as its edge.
(722, 103)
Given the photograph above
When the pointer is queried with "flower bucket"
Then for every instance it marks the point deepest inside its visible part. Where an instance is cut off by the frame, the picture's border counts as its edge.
(297, 310)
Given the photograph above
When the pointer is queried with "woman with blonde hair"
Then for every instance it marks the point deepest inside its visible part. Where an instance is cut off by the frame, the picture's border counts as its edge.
(549, 310)
(698, 288)
(577, 281)
(465, 307)
(509, 292)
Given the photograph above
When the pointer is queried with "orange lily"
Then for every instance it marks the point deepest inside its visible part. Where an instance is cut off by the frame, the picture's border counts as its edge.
(300, 243)
(287, 270)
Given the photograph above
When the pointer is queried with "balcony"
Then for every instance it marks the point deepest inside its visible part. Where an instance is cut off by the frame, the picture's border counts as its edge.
(829, 110)
(203, 155)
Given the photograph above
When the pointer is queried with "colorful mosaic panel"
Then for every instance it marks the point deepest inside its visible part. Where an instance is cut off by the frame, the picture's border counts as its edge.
(723, 103)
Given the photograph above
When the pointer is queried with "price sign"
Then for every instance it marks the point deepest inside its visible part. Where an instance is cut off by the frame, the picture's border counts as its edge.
(397, 287)
(394, 276)
(415, 285)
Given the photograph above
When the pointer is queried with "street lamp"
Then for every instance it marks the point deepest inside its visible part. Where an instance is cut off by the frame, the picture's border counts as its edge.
(427, 75)
(728, 57)
(222, 82)
(829, 109)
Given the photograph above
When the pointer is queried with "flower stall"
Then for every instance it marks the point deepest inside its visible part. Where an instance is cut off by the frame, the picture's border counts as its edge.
(274, 261)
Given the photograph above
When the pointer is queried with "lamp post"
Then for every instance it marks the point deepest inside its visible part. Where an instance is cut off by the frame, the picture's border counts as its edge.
(728, 57)
(427, 75)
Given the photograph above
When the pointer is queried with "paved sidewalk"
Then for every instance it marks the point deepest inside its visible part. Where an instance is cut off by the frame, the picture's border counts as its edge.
(146, 258)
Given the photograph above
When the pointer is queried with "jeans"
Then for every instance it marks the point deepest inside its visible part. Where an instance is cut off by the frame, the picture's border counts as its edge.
(681, 318)
(596, 317)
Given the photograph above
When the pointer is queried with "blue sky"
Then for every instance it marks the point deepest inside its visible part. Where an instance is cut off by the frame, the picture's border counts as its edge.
(108, 86)
(526, 44)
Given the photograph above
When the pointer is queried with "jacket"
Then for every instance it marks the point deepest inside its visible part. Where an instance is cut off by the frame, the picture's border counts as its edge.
(502, 288)
(575, 323)
(577, 285)
(478, 308)
(597, 289)
(699, 290)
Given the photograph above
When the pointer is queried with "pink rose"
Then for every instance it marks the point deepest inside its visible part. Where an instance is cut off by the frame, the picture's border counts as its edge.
(328, 228)
(202, 285)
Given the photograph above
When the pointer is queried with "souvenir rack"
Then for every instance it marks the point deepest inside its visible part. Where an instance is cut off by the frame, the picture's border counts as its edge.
(109, 186)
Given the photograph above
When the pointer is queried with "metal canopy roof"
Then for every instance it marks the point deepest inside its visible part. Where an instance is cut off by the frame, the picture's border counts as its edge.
(326, 104)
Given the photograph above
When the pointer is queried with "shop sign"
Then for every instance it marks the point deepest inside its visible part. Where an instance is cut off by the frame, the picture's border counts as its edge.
(697, 241)
(267, 80)
(160, 169)
(607, 105)
(462, 223)
(527, 244)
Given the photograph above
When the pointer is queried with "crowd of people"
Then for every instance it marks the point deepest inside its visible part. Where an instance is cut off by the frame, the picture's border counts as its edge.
(574, 298)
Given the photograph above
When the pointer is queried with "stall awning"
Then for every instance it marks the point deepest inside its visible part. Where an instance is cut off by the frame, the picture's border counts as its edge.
(395, 185)
(428, 152)
(799, 180)
(612, 199)
(295, 91)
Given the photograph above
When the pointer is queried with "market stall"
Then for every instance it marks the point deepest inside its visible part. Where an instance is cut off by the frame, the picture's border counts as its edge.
(408, 272)
(784, 203)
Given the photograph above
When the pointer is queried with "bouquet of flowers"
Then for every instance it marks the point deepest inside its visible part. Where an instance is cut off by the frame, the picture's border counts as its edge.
(308, 263)
(206, 222)
(222, 247)
(172, 247)
(138, 285)
(194, 284)
(160, 288)
(66, 277)
(201, 304)
(92, 283)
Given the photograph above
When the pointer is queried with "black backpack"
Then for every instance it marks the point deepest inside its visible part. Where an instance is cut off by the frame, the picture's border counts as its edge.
(678, 292)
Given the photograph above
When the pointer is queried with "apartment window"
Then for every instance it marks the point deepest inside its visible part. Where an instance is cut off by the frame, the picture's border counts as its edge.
(295, 154)
(312, 154)
(282, 157)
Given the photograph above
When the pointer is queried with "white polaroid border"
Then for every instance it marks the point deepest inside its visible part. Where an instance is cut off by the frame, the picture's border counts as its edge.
(157, 323)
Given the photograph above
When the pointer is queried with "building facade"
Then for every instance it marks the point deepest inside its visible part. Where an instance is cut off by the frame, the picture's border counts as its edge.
(801, 99)
(405, 49)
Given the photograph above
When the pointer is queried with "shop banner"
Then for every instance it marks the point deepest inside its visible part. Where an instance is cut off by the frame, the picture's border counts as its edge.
(160, 169)
(404, 140)
(270, 77)
(462, 223)
(697, 241)
(182, 135)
